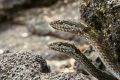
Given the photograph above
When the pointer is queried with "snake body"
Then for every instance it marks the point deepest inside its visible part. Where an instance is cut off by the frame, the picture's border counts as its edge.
(72, 51)
(109, 61)
(106, 57)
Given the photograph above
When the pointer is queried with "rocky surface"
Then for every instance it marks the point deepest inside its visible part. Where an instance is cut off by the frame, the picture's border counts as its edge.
(15, 66)
(66, 76)
(27, 66)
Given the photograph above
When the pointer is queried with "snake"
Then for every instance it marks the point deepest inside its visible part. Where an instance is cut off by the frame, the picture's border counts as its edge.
(73, 51)
(106, 57)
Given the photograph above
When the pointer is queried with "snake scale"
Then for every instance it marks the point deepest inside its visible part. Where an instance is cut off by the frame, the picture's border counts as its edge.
(106, 57)
(72, 51)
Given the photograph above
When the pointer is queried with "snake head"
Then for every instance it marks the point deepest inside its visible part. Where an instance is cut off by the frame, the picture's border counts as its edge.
(65, 47)
(67, 26)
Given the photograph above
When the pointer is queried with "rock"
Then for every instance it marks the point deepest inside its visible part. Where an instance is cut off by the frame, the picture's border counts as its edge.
(40, 28)
(65, 76)
(22, 66)
(27, 66)
(7, 4)
(44, 67)
(9, 8)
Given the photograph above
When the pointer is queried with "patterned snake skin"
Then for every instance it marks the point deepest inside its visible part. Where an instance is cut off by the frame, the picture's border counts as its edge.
(106, 57)
(72, 51)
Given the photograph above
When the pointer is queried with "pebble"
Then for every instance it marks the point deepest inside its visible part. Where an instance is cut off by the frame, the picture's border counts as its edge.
(24, 35)
(1, 51)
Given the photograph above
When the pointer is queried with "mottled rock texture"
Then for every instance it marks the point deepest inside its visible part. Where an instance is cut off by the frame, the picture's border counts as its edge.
(31, 66)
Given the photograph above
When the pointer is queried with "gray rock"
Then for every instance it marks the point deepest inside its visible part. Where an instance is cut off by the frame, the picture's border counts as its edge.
(30, 66)
(65, 76)
(5, 4)
(9, 8)
(21, 66)
(40, 28)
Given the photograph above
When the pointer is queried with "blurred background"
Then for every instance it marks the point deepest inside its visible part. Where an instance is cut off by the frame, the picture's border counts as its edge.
(24, 26)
